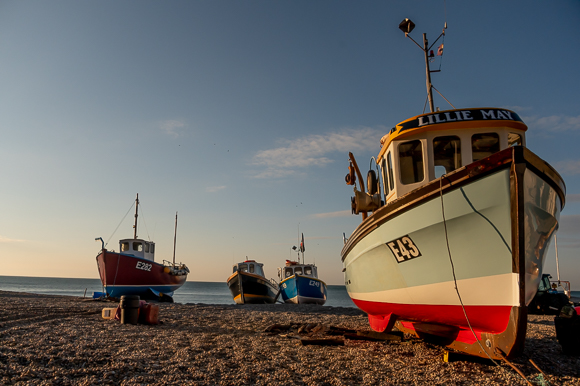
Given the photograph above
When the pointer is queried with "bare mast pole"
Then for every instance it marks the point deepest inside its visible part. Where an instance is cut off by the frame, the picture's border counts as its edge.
(136, 214)
(429, 85)
(174, 238)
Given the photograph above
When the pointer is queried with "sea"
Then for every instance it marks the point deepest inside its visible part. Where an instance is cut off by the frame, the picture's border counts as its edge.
(191, 292)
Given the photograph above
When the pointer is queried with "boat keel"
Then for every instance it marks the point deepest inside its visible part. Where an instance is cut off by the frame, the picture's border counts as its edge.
(509, 343)
(382, 323)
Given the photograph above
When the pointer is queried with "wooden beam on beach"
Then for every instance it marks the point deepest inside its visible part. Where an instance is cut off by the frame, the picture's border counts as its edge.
(394, 336)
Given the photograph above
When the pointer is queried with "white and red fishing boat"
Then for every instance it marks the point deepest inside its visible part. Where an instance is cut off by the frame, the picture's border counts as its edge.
(457, 217)
(134, 271)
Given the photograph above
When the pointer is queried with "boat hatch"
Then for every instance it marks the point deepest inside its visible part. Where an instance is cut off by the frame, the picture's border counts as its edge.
(138, 248)
(250, 267)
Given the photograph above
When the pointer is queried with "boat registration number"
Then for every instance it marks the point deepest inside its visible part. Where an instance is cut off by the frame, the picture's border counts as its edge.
(144, 266)
(404, 249)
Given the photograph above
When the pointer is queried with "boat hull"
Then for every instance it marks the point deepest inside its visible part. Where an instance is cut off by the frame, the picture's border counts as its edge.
(464, 281)
(252, 289)
(299, 289)
(129, 275)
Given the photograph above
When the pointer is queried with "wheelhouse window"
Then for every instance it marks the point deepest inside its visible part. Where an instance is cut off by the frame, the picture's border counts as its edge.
(235, 269)
(446, 154)
(152, 249)
(515, 140)
(298, 270)
(308, 271)
(124, 247)
(390, 170)
(146, 247)
(243, 267)
(385, 176)
(137, 246)
(251, 268)
(288, 272)
(544, 284)
(411, 162)
(484, 145)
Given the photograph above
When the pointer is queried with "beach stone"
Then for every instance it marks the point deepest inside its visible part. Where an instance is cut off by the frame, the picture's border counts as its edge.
(46, 339)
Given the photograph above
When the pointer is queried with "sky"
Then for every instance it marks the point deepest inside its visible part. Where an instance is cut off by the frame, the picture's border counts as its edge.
(239, 115)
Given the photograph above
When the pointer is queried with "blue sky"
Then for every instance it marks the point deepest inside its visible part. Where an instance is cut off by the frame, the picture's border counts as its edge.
(240, 116)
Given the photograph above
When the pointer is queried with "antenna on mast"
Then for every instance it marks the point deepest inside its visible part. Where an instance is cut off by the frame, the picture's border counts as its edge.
(407, 26)
(174, 238)
(136, 215)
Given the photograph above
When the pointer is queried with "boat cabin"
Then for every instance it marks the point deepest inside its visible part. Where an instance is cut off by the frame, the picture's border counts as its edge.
(250, 266)
(138, 248)
(293, 268)
(423, 148)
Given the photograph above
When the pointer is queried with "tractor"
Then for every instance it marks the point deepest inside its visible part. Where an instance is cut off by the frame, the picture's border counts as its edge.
(548, 300)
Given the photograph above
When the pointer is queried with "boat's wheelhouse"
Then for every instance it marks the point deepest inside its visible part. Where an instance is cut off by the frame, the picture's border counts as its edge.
(138, 248)
(297, 269)
(249, 266)
(423, 148)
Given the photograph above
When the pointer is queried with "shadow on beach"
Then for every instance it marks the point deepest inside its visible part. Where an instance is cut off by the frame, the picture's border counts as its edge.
(285, 307)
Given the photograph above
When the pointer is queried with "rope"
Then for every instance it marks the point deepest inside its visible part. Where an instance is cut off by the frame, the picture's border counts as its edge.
(99, 268)
(131, 207)
(117, 271)
(442, 96)
(144, 223)
(457, 289)
(498, 352)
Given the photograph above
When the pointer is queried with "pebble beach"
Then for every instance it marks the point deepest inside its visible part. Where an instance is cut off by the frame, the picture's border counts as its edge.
(63, 340)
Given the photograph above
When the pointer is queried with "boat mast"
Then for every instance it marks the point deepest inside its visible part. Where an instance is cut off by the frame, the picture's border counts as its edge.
(136, 214)
(174, 238)
(429, 85)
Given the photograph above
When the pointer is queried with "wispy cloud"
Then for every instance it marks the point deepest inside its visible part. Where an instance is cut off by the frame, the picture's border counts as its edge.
(553, 123)
(342, 213)
(568, 166)
(518, 109)
(171, 127)
(213, 189)
(570, 224)
(9, 240)
(313, 150)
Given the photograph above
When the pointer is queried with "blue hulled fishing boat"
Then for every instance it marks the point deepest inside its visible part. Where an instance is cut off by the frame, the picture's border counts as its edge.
(299, 282)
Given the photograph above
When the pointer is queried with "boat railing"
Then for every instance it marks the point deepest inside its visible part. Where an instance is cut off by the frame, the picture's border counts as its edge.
(176, 268)
(565, 285)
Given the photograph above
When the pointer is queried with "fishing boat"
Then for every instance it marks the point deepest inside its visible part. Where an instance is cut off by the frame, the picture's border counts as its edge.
(299, 282)
(248, 284)
(457, 217)
(134, 271)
